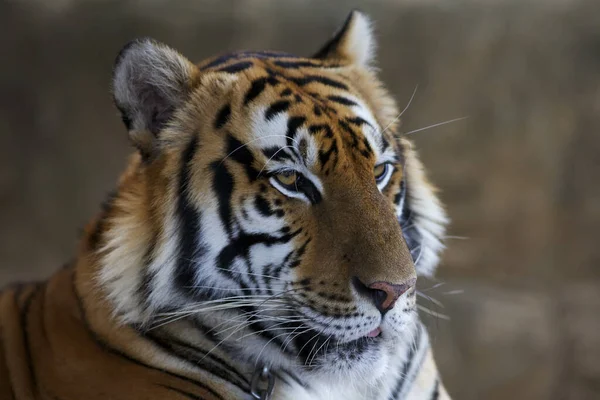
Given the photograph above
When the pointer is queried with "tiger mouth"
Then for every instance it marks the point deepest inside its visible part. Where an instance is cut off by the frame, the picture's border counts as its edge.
(313, 345)
(374, 333)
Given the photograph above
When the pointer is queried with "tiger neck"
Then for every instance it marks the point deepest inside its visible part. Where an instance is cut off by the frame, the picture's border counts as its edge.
(189, 348)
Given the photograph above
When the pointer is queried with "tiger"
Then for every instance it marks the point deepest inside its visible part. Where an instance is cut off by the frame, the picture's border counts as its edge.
(263, 242)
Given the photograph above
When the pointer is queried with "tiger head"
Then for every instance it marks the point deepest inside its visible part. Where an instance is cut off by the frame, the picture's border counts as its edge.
(272, 202)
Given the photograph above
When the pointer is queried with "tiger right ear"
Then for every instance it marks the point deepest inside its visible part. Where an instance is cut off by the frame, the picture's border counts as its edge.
(150, 82)
(354, 42)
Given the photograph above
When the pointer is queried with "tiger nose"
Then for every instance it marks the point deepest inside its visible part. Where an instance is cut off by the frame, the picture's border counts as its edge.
(384, 294)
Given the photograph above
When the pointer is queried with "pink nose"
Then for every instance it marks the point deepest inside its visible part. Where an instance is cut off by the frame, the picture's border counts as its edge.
(385, 294)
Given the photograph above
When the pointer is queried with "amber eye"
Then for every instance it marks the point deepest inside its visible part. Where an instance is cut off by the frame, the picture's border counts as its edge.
(288, 179)
(380, 171)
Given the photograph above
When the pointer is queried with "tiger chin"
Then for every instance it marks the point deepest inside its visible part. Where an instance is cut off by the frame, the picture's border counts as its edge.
(264, 241)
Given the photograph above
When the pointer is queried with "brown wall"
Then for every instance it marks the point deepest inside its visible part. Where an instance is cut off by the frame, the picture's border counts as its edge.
(521, 176)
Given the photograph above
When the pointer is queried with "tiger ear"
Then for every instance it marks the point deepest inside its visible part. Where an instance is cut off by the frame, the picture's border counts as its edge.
(150, 82)
(353, 43)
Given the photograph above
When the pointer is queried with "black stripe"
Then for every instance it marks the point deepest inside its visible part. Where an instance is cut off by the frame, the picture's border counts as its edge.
(368, 150)
(104, 346)
(263, 206)
(240, 246)
(307, 79)
(276, 108)
(295, 378)
(435, 395)
(298, 254)
(332, 45)
(385, 142)
(314, 129)
(240, 153)
(357, 121)
(346, 127)
(221, 60)
(96, 235)
(411, 235)
(297, 64)
(246, 54)
(195, 356)
(342, 100)
(293, 125)
(256, 88)
(222, 184)
(237, 67)
(406, 366)
(270, 54)
(306, 186)
(276, 153)
(190, 251)
(222, 116)
(324, 156)
(400, 195)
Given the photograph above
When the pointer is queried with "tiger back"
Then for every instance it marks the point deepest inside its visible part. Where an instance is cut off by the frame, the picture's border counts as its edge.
(264, 241)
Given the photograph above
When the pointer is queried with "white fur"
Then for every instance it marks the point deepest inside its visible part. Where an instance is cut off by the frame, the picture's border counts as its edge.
(360, 42)
(429, 217)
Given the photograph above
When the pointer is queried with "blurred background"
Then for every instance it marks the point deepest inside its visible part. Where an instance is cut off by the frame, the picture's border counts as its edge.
(520, 279)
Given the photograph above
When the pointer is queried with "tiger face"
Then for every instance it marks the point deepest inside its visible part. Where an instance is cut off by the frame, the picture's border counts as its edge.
(272, 203)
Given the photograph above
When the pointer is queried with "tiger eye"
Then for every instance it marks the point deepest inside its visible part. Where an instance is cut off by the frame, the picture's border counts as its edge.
(287, 178)
(380, 170)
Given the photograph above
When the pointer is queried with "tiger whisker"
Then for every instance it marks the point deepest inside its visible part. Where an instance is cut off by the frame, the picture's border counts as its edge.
(316, 335)
(433, 313)
(266, 344)
(320, 347)
(437, 285)
(245, 317)
(420, 254)
(436, 125)
(453, 292)
(223, 340)
(289, 340)
(225, 303)
(177, 315)
(403, 111)
(271, 328)
(434, 301)
(263, 318)
(313, 348)
(254, 274)
(241, 273)
(227, 289)
(279, 294)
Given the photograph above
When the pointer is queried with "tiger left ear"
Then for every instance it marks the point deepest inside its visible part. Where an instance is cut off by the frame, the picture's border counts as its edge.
(150, 82)
(354, 42)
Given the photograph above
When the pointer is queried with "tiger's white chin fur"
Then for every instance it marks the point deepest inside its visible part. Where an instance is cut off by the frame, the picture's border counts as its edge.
(341, 373)
(371, 376)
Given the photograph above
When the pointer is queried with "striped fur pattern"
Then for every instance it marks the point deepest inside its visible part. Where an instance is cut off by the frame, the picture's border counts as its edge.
(268, 195)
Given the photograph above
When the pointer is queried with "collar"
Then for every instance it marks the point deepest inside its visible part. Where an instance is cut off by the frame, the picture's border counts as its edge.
(263, 382)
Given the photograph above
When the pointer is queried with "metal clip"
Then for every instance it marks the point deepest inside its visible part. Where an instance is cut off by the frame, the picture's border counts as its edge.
(262, 375)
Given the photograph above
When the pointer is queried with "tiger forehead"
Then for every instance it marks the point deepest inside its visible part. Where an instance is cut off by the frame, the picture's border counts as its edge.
(299, 108)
